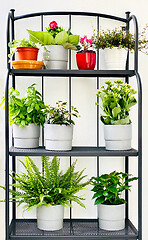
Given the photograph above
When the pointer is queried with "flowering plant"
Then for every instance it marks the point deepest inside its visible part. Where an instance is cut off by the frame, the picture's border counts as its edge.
(86, 43)
(55, 35)
(117, 99)
(118, 37)
(60, 115)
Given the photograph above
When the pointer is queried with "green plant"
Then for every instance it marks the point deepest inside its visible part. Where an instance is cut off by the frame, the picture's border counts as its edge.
(19, 43)
(55, 35)
(118, 37)
(60, 115)
(49, 187)
(117, 99)
(29, 109)
(109, 187)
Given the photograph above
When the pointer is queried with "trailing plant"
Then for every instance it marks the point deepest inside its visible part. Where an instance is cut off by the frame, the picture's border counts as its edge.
(60, 115)
(108, 188)
(55, 35)
(117, 99)
(20, 43)
(29, 109)
(49, 187)
(118, 37)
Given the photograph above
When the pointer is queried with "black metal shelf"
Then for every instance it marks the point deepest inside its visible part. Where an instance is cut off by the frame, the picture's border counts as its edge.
(72, 73)
(23, 229)
(76, 151)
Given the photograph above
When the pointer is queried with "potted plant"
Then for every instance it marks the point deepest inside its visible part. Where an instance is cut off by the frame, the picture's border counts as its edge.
(114, 45)
(48, 191)
(59, 127)
(117, 99)
(108, 189)
(26, 115)
(23, 49)
(86, 59)
(56, 42)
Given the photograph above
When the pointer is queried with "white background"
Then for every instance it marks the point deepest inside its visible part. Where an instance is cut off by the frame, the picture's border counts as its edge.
(83, 95)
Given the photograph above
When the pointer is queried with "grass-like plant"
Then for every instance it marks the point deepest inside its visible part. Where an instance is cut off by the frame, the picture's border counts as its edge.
(29, 109)
(60, 115)
(49, 187)
(117, 99)
(108, 188)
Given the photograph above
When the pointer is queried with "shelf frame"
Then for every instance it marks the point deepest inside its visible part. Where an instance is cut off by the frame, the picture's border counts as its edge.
(78, 151)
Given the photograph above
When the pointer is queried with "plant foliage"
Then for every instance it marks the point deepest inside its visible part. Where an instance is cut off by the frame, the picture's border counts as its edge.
(117, 99)
(119, 37)
(60, 115)
(50, 187)
(20, 43)
(29, 109)
(109, 187)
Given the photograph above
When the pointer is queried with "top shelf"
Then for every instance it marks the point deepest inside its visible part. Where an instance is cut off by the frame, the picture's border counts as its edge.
(72, 73)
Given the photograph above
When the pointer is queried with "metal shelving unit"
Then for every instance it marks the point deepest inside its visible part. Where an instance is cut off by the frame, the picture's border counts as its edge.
(81, 229)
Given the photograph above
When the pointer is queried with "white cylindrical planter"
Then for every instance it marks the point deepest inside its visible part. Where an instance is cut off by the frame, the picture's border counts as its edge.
(56, 58)
(50, 218)
(113, 59)
(118, 137)
(58, 137)
(111, 217)
(27, 136)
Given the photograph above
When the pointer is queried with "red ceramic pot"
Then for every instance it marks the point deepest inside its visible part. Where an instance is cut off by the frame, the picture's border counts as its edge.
(27, 53)
(86, 60)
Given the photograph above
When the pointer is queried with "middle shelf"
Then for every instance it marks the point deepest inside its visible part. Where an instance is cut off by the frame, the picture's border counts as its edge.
(76, 151)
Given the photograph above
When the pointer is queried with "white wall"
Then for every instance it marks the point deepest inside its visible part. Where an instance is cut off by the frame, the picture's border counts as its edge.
(83, 90)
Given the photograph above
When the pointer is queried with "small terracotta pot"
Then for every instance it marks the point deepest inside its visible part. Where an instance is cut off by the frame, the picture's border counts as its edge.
(26, 53)
(86, 60)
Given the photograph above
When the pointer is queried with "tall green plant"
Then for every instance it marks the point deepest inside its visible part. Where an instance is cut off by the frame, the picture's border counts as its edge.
(108, 188)
(117, 99)
(29, 109)
(50, 187)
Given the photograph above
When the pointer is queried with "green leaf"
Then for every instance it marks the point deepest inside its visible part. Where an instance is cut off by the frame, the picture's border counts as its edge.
(98, 194)
(99, 200)
(73, 39)
(69, 46)
(44, 38)
(116, 111)
(61, 38)
(121, 121)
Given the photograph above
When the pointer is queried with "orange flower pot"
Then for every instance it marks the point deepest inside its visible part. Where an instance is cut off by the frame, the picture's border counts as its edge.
(26, 53)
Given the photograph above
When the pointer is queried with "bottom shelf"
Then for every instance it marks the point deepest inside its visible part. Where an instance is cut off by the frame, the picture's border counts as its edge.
(23, 229)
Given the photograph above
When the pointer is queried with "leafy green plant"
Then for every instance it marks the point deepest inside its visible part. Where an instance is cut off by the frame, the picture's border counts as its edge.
(117, 99)
(19, 43)
(118, 37)
(108, 188)
(60, 115)
(50, 187)
(29, 109)
(55, 35)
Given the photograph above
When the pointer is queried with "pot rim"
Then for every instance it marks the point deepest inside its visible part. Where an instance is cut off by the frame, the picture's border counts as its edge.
(87, 51)
(27, 48)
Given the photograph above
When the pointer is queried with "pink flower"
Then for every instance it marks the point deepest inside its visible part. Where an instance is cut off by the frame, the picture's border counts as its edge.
(82, 40)
(53, 25)
(90, 41)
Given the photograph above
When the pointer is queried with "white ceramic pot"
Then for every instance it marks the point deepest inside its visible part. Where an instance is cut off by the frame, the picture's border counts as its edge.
(27, 136)
(113, 59)
(58, 137)
(50, 218)
(111, 217)
(56, 58)
(118, 137)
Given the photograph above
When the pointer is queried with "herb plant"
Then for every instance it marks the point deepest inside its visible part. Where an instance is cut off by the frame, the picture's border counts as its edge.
(118, 37)
(117, 99)
(29, 109)
(60, 115)
(108, 188)
(49, 187)
(55, 35)
(19, 43)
